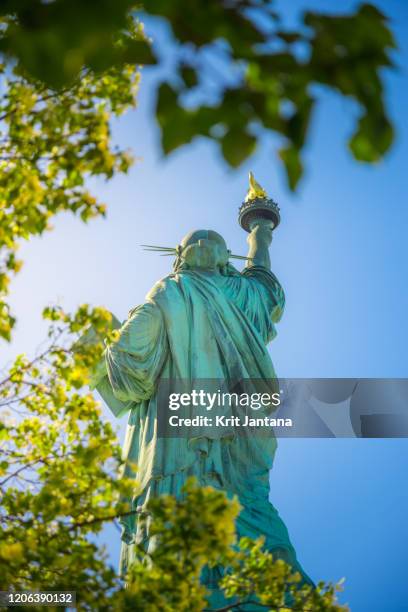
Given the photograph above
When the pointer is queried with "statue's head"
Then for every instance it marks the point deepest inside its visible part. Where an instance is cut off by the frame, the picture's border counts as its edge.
(203, 249)
(200, 250)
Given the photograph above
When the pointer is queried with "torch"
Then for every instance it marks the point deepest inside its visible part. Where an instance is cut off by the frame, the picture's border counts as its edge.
(257, 205)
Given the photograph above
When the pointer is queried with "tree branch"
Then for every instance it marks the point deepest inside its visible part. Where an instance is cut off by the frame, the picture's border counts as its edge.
(55, 94)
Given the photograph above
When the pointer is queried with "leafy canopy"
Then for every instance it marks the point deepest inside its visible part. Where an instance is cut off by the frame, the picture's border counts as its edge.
(52, 141)
(262, 73)
(274, 74)
(59, 488)
(55, 40)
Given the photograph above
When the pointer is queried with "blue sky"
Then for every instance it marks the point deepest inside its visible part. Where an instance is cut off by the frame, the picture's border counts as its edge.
(341, 254)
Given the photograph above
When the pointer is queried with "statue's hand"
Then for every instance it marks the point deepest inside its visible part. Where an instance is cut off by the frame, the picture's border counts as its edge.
(261, 232)
(261, 222)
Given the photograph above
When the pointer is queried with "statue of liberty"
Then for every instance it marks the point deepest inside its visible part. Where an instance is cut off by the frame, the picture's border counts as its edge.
(205, 320)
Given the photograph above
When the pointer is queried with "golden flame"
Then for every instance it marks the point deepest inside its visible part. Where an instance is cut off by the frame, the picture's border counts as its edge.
(255, 190)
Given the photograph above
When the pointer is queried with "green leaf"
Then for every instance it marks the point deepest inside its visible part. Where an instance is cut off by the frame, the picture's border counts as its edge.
(297, 125)
(372, 139)
(293, 165)
(189, 76)
(289, 37)
(172, 119)
(139, 52)
(237, 146)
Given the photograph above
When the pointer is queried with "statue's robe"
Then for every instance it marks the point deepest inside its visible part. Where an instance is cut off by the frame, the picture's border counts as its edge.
(196, 325)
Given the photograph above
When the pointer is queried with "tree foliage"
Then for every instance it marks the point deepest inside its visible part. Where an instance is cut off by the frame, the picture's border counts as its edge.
(264, 73)
(58, 467)
(55, 40)
(51, 142)
(59, 487)
(275, 73)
